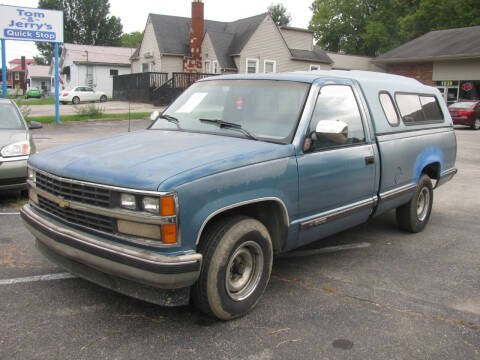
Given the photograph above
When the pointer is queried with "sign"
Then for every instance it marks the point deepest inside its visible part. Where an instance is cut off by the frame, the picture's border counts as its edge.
(21, 23)
(468, 86)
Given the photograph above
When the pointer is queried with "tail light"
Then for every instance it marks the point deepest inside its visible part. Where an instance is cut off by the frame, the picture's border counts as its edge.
(65, 94)
(465, 113)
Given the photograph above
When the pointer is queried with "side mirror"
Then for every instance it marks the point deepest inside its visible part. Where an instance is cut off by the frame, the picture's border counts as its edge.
(335, 131)
(154, 115)
(34, 125)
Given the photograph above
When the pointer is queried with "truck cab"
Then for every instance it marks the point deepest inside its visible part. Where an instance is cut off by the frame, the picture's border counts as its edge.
(237, 169)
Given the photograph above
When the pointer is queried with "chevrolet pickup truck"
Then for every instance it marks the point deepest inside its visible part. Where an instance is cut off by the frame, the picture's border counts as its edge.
(237, 169)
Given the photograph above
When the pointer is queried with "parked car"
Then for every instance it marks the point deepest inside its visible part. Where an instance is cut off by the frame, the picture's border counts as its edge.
(81, 93)
(466, 112)
(16, 145)
(33, 93)
(238, 168)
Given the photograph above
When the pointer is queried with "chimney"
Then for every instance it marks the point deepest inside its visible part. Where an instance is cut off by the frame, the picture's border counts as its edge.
(23, 63)
(196, 32)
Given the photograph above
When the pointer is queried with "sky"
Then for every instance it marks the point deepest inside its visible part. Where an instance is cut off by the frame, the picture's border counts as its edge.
(134, 14)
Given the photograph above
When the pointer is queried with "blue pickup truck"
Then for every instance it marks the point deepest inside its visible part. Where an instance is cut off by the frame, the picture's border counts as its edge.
(237, 169)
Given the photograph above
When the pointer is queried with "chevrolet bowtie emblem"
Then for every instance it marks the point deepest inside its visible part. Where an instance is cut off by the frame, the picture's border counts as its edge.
(62, 202)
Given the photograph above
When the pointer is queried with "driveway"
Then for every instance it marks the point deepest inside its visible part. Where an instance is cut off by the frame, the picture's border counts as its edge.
(371, 292)
(109, 107)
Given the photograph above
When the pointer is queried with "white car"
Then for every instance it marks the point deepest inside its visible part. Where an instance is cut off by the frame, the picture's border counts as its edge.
(81, 93)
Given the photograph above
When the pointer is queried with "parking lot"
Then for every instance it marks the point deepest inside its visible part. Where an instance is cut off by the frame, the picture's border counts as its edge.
(371, 292)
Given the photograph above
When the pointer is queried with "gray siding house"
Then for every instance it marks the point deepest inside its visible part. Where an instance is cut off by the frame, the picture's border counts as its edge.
(254, 45)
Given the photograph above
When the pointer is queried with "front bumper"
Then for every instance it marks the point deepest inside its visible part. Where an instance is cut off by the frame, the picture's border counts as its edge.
(125, 262)
(13, 173)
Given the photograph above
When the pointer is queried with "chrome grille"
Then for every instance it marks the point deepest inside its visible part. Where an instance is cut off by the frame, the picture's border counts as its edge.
(79, 217)
(85, 194)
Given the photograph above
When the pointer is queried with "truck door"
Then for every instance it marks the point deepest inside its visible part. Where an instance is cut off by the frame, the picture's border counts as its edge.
(336, 180)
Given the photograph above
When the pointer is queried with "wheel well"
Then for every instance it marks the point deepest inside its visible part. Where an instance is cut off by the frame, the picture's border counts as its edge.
(432, 170)
(270, 213)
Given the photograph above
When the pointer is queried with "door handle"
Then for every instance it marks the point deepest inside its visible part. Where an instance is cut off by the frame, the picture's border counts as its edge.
(369, 160)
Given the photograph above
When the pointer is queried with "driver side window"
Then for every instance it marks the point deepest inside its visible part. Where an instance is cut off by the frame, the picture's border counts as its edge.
(336, 103)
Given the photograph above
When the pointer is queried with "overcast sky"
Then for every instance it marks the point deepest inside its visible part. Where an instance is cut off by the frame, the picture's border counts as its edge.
(134, 14)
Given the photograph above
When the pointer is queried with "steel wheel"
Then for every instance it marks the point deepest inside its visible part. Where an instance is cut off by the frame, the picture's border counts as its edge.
(244, 271)
(423, 204)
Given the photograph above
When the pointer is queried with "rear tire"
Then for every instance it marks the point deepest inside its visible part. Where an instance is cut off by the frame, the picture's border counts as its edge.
(76, 100)
(414, 215)
(103, 98)
(476, 124)
(237, 262)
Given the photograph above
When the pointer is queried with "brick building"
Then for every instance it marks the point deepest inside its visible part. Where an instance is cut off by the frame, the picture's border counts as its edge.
(448, 59)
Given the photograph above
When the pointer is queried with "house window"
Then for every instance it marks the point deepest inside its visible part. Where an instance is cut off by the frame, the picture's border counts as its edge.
(269, 66)
(252, 66)
(314, 67)
(113, 72)
(215, 66)
(206, 66)
(146, 67)
(17, 76)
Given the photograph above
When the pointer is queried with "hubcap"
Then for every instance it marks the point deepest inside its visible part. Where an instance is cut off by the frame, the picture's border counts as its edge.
(477, 124)
(244, 271)
(423, 204)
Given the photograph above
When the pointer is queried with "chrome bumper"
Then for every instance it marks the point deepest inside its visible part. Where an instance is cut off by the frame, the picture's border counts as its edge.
(139, 265)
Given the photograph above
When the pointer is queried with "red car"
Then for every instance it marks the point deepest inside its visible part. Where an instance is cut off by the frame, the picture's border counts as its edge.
(466, 112)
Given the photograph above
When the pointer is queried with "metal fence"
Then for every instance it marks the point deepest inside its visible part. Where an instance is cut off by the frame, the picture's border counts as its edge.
(137, 87)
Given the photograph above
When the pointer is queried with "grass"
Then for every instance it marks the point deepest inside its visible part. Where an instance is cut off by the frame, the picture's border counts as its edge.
(43, 101)
(123, 116)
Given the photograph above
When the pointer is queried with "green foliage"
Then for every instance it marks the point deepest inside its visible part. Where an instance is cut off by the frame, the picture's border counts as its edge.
(85, 22)
(43, 101)
(279, 14)
(372, 27)
(90, 110)
(131, 40)
(122, 116)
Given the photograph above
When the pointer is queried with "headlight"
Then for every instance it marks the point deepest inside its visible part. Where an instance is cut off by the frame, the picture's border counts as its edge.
(16, 149)
(32, 176)
(128, 201)
(151, 205)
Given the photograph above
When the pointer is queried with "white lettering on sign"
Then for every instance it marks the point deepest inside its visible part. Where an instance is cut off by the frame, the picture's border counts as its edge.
(18, 23)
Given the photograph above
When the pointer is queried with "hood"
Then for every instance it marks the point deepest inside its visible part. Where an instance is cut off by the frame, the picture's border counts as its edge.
(145, 159)
(12, 136)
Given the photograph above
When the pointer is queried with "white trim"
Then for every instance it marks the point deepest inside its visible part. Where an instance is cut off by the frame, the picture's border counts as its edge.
(274, 62)
(206, 66)
(317, 67)
(256, 65)
(215, 67)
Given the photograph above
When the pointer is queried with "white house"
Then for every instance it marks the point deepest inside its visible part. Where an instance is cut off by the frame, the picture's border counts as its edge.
(38, 76)
(90, 65)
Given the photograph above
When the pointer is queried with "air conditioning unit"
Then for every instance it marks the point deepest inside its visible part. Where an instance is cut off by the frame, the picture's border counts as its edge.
(148, 54)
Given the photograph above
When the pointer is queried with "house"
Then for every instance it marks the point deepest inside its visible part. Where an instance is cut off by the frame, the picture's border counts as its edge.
(91, 65)
(16, 73)
(448, 59)
(254, 45)
(38, 76)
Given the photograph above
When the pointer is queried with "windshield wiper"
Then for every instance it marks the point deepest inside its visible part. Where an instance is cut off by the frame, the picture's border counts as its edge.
(228, 125)
(171, 119)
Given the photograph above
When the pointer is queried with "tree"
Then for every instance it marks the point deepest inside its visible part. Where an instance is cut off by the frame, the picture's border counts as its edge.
(39, 60)
(85, 22)
(131, 40)
(279, 14)
(372, 27)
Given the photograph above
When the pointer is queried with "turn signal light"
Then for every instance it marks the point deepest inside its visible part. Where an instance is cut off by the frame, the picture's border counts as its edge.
(167, 206)
(169, 234)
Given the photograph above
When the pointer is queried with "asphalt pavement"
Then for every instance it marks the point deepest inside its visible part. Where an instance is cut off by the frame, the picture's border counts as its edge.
(371, 292)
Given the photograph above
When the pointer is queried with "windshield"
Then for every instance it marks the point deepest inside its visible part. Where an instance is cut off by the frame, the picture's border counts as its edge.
(10, 118)
(462, 105)
(267, 109)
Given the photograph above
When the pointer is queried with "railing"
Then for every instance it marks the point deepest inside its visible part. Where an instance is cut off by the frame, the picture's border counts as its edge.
(171, 89)
(137, 87)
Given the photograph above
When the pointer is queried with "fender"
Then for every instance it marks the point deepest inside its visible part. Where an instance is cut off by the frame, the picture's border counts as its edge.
(429, 155)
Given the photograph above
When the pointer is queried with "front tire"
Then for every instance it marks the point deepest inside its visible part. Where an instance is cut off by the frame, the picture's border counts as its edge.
(414, 215)
(237, 262)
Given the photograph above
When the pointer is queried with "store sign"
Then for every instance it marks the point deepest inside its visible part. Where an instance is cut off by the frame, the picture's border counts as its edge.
(20, 23)
(468, 86)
